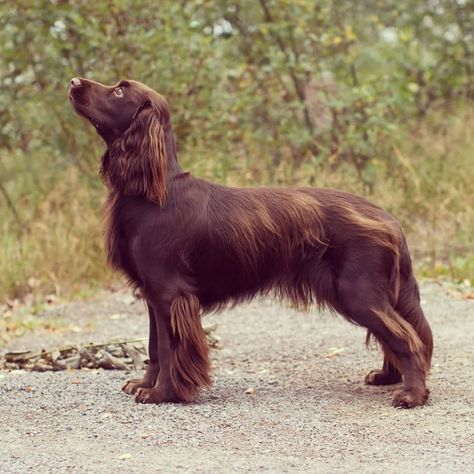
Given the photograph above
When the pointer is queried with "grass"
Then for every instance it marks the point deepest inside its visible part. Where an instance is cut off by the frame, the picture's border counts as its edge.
(21, 319)
(435, 200)
(60, 251)
(425, 179)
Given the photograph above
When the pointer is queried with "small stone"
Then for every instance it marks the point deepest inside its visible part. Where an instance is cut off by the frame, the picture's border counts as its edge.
(116, 316)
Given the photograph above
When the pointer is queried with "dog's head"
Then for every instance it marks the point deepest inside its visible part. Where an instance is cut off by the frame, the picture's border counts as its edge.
(132, 120)
(113, 109)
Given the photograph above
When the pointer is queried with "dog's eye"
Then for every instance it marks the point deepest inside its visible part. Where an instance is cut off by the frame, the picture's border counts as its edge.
(118, 92)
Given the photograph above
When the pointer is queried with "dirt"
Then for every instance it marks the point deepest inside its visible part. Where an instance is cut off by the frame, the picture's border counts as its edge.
(288, 396)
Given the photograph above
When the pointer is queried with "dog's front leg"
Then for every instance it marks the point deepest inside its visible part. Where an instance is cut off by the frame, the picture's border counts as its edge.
(151, 374)
(182, 351)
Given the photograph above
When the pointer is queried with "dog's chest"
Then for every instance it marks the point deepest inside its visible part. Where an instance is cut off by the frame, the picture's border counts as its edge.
(119, 230)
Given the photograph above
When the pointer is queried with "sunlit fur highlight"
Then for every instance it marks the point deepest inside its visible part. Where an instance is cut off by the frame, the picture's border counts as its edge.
(400, 328)
(256, 219)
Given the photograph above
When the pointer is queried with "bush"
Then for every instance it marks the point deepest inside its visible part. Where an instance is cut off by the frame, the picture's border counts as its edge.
(374, 97)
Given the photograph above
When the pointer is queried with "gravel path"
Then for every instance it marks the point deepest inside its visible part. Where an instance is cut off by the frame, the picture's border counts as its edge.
(308, 410)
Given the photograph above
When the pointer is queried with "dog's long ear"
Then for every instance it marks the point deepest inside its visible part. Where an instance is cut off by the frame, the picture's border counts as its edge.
(136, 164)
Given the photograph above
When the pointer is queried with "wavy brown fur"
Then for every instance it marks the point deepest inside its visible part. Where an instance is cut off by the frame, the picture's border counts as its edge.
(190, 246)
(190, 359)
(136, 163)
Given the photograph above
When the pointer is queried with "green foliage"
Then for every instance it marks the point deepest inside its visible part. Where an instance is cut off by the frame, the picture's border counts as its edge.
(359, 95)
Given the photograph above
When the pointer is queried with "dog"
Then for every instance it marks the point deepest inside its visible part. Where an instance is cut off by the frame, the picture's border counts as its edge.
(190, 247)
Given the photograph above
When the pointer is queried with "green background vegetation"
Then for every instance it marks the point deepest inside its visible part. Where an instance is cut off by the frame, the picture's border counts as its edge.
(375, 97)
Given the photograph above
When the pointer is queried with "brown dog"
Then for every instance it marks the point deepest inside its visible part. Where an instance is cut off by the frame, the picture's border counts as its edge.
(191, 246)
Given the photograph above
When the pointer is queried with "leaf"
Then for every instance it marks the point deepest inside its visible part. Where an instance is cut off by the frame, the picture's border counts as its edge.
(334, 351)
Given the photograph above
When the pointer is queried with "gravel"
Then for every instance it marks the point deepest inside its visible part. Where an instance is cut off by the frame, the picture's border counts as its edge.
(288, 396)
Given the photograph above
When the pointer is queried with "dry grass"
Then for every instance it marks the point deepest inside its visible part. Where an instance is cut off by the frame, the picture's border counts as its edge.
(60, 250)
(431, 190)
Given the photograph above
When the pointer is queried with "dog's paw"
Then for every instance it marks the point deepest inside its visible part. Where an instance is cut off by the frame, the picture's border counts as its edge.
(154, 395)
(131, 386)
(410, 398)
(379, 377)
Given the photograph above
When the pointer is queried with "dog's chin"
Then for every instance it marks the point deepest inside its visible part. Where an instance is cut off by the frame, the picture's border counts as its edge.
(83, 112)
(93, 121)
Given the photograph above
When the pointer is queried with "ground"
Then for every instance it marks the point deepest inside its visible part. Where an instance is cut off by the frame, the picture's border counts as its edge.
(288, 396)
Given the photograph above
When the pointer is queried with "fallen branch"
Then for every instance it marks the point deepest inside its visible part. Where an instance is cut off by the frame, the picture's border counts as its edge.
(122, 354)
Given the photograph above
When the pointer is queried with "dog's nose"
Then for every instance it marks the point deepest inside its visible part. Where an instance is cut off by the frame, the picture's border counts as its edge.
(75, 82)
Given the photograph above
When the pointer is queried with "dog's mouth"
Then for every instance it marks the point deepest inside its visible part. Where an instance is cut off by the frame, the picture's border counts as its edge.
(93, 121)
(90, 118)
(81, 109)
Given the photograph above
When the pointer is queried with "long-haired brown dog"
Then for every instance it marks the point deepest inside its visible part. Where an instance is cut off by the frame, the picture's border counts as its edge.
(191, 246)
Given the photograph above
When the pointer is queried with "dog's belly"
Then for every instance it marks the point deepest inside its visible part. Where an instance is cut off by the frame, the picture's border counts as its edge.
(222, 281)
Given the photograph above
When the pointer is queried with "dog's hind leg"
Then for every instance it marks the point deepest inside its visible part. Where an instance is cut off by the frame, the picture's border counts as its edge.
(406, 351)
(363, 301)
(387, 375)
(409, 307)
